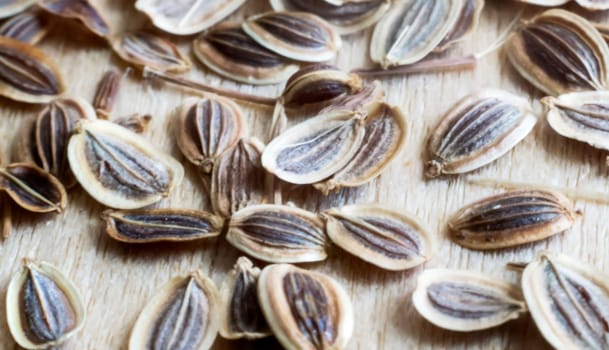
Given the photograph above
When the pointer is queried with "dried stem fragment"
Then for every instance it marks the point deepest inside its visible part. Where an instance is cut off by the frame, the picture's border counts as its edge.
(478, 130)
(242, 316)
(228, 51)
(43, 307)
(276, 233)
(305, 310)
(464, 301)
(29, 27)
(161, 225)
(32, 188)
(81, 10)
(119, 168)
(384, 238)
(511, 219)
(137, 123)
(182, 315)
(568, 301)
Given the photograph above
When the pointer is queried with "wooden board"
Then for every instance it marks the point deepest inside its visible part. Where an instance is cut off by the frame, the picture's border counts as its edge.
(116, 279)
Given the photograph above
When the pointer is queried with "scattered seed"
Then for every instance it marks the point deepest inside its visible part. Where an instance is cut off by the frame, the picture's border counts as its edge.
(305, 309)
(81, 10)
(106, 93)
(43, 307)
(10, 8)
(276, 233)
(512, 218)
(32, 188)
(466, 23)
(146, 49)
(479, 129)
(465, 301)
(29, 27)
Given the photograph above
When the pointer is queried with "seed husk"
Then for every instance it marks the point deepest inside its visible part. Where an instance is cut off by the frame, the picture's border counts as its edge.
(27, 74)
(189, 16)
(207, 128)
(80, 10)
(237, 178)
(29, 27)
(568, 301)
(464, 301)
(242, 316)
(348, 17)
(146, 49)
(582, 116)
(43, 307)
(318, 84)
(413, 29)
(228, 51)
(479, 129)
(384, 139)
(595, 5)
(182, 315)
(300, 36)
(467, 22)
(161, 225)
(512, 218)
(13, 7)
(316, 149)
(137, 123)
(45, 139)
(559, 52)
(278, 234)
(118, 167)
(32, 188)
(382, 237)
(305, 309)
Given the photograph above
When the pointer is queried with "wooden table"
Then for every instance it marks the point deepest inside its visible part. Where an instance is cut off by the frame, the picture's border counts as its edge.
(117, 279)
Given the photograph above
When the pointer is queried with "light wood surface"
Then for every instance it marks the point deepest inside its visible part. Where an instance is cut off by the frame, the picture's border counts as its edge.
(116, 279)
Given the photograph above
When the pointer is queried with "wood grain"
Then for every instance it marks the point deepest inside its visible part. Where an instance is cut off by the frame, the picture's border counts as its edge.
(117, 279)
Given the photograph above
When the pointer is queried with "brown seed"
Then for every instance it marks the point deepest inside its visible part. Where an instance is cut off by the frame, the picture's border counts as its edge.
(207, 128)
(277, 233)
(300, 36)
(188, 16)
(384, 238)
(182, 315)
(27, 74)
(567, 300)
(106, 93)
(118, 167)
(32, 188)
(81, 10)
(559, 52)
(582, 116)
(43, 307)
(305, 309)
(228, 51)
(10, 8)
(161, 225)
(28, 27)
(464, 301)
(242, 316)
(348, 17)
(45, 139)
(511, 219)
(412, 29)
(319, 84)
(237, 178)
(384, 140)
(479, 129)
(147, 49)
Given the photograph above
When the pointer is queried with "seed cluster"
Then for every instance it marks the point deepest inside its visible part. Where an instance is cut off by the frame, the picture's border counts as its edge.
(350, 136)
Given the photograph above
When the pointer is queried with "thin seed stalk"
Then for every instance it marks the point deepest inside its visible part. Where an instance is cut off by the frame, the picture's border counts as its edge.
(426, 66)
(198, 86)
